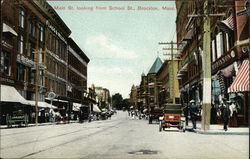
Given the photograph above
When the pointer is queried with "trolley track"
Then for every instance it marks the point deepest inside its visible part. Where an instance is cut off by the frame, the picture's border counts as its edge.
(74, 140)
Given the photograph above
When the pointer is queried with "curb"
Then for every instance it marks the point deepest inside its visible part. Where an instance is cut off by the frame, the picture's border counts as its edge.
(220, 133)
(32, 125)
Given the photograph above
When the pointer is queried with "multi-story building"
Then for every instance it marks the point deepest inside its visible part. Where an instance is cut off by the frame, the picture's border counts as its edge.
(167, 75)
(103, 97)
(133, 96)
(154, 86)
(34, 51)
(147, 92)
(229, 53)
(77, 71)
(143, 92)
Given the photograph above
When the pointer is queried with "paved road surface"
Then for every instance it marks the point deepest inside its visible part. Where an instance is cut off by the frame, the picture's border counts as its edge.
(121, 138)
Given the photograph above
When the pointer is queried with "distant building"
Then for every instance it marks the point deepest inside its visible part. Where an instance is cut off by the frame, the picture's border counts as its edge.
(167, 76)
(77, 71)
(103, 97)
(134, 96)
(154, 86)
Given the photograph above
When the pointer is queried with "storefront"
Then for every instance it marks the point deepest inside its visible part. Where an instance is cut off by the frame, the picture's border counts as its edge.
(11, 101)
(239, 92)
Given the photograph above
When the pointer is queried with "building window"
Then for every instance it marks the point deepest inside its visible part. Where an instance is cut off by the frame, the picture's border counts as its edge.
(31, 52)
(5, 63)
(32, 28)
(40, 81)
(41, 32)
(221, 44)
(20, 72)
(40, 55)
(31, 76)
(213, 51)
(20, 44)
(21, 17)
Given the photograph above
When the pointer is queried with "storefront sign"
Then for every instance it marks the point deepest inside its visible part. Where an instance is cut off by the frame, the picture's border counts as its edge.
(52, 28)
(24, 60)
(2, 79)
(220, 62)
(4, 43)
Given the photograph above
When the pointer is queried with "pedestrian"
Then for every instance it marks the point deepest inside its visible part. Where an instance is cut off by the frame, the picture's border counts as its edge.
(213, 114)
(225, 113)
(233, 114)
(193, 112)
(185, 110)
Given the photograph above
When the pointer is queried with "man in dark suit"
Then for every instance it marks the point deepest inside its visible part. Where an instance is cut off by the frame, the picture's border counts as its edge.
(193, 112)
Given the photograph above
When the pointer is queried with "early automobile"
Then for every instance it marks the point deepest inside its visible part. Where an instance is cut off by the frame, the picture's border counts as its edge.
(172, 117)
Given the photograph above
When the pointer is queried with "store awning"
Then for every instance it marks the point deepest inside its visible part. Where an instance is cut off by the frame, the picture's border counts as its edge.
(241, 82)
(7, 28)
(76, 106)
(96, 109)
(228, 25)
(42, 104)
(10, 94)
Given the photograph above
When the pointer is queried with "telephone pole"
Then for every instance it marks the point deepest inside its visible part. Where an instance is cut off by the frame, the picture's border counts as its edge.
(206, 65)
(173, 78)
(36, 82)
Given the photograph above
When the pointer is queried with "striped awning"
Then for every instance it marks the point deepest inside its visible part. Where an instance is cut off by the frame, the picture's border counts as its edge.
(241, 82)
(228, 25)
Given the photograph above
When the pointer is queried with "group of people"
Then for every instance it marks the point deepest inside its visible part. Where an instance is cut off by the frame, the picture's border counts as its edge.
(228, 109)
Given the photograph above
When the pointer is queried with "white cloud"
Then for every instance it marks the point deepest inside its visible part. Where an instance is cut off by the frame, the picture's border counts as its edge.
(101, 46)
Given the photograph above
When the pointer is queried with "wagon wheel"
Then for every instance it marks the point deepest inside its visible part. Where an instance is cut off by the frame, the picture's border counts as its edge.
(150, 120)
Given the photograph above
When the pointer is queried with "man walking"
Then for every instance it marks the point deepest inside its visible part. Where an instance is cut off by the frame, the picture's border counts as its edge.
(185, 110)
(193, 112)
(225, 113)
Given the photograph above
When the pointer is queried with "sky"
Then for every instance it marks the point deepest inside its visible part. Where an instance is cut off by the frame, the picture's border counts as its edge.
(121, 44)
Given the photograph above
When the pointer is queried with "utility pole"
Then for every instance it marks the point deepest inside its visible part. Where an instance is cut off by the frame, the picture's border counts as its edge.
(206, 65)
(37, 52)
(173, 79)
(36, 82)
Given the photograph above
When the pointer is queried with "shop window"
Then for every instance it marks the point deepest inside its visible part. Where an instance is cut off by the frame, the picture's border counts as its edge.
(20, 44)
(5, 63)
(20, 72)
(21, 17)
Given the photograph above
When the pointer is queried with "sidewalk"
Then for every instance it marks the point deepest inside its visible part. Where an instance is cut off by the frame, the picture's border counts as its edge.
(217, 129)
(40, 124)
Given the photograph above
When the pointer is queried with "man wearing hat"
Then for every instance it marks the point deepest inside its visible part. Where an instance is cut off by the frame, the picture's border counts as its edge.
(226, 113)
(193, 112)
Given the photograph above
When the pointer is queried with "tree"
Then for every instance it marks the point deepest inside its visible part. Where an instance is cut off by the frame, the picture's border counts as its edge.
(126, 103)
(117, 101)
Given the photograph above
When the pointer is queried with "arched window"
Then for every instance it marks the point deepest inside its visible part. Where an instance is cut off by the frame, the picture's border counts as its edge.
(223, 36)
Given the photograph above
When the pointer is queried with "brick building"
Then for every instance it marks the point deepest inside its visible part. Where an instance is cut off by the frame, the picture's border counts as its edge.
(33, 33)
(229, 51)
